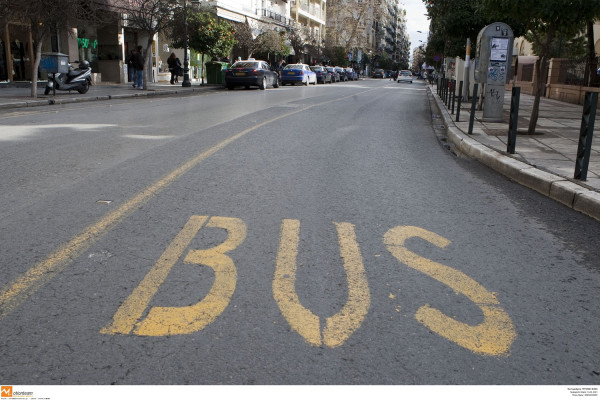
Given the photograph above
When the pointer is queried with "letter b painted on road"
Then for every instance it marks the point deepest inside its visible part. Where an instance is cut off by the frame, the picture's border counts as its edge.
(162, 321)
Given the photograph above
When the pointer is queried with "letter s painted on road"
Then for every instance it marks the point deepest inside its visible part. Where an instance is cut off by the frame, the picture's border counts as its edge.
(492, 337)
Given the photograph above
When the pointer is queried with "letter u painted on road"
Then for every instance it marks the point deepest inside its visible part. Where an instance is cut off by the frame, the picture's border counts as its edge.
(162, 321)
(342, 325)
(494, 336)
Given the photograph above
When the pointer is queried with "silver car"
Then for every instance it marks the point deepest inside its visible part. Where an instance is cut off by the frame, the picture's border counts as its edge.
(405, 76)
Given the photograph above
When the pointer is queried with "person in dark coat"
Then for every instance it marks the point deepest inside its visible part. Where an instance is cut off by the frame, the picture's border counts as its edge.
(138, 63)
(174, 67)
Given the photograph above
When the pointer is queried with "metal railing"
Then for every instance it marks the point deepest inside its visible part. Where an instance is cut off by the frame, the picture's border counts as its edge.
(282, 19)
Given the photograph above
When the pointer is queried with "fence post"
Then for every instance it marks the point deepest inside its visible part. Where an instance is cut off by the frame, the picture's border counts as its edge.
(473, 106)
(460, 90)
(585, 135)
(514, 118)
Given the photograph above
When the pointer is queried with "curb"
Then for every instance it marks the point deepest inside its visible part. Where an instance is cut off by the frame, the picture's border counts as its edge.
(556, 187)
(70, 100)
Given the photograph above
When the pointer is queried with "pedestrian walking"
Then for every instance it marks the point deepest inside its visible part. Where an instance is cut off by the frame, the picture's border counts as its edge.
(130, 68)
(138, 64)
(174, 67)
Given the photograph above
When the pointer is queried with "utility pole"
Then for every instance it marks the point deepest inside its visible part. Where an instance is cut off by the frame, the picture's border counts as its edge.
(465, 93)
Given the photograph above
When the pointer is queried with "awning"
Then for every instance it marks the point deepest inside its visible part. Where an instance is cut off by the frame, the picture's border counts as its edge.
(230, 15)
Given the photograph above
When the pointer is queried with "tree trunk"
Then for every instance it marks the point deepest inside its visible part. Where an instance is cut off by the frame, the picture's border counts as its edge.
(541, 70)
(148, 61)
(34, 68)
(592, 65)
(203, 69)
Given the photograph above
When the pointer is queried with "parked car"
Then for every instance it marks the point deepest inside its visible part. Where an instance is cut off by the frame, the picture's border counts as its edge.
(405, 76)
(351, 74)
(302, 73)
(378, 73)
(342, 72)
(251, 73)
(335, 76)
(323, 76)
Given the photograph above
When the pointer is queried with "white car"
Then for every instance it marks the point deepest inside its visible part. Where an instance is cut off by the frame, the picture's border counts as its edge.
(405, 76)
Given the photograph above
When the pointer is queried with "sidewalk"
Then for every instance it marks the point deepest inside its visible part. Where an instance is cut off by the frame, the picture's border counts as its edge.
(545, 161)
(13, 96)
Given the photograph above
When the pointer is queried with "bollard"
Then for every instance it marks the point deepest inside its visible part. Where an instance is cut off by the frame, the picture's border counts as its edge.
(514, 117)
(443, 89)
(453, 87)
(585, 135)
(460, 90)
(473, 106)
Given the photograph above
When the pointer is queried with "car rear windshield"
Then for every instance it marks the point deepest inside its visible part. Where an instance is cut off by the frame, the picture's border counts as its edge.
(246, 64)
(317, 68)
(406, 73)
(294, 66)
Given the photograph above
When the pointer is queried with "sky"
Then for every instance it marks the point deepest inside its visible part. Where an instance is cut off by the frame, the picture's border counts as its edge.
(415, 21)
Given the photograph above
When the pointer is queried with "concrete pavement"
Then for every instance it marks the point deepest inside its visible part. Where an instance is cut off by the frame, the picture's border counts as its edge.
(544, 162)
(14, 96)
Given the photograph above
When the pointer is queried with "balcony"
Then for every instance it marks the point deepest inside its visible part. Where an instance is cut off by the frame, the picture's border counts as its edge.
(309, 9)
(278, 18)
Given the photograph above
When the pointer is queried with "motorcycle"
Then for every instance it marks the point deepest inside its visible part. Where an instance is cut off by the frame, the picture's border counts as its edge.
(79, 79)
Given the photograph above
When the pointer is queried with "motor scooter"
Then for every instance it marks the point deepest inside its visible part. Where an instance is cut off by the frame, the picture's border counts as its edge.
(79, 79)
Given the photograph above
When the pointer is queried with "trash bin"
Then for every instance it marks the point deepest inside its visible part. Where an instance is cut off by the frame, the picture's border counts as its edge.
(215, 72)
(54, 63)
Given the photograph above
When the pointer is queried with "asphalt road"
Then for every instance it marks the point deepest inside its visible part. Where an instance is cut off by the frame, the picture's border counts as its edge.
(300, 235)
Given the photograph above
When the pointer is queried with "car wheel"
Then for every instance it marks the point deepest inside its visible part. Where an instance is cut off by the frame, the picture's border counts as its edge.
(47, 91)
(276, 83)
(230, 87)
(305, 83)
(263, 83)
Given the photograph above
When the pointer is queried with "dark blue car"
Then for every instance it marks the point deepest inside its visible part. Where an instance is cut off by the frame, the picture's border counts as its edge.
(251, 73)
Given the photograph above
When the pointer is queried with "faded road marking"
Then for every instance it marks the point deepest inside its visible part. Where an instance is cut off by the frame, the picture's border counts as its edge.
(494, 336)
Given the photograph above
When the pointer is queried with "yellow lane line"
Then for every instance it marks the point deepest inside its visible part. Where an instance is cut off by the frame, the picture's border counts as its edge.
(16, 292)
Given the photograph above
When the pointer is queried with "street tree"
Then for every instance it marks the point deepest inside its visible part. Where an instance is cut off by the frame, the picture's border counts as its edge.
(545, 21)
(210, 37)
(205, 34)
(245, 38)
(261, 41)
(46, 18)
(272, 42)
(452, 22)
(149, 17)
(300, 38)
(350, 20)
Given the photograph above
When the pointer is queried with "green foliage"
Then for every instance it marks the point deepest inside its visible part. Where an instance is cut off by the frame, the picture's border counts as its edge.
(211, 37)
(455, 21)
(336, 55)
(206, 35)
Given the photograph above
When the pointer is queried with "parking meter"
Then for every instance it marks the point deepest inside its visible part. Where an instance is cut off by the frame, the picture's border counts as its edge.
(494, 56)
